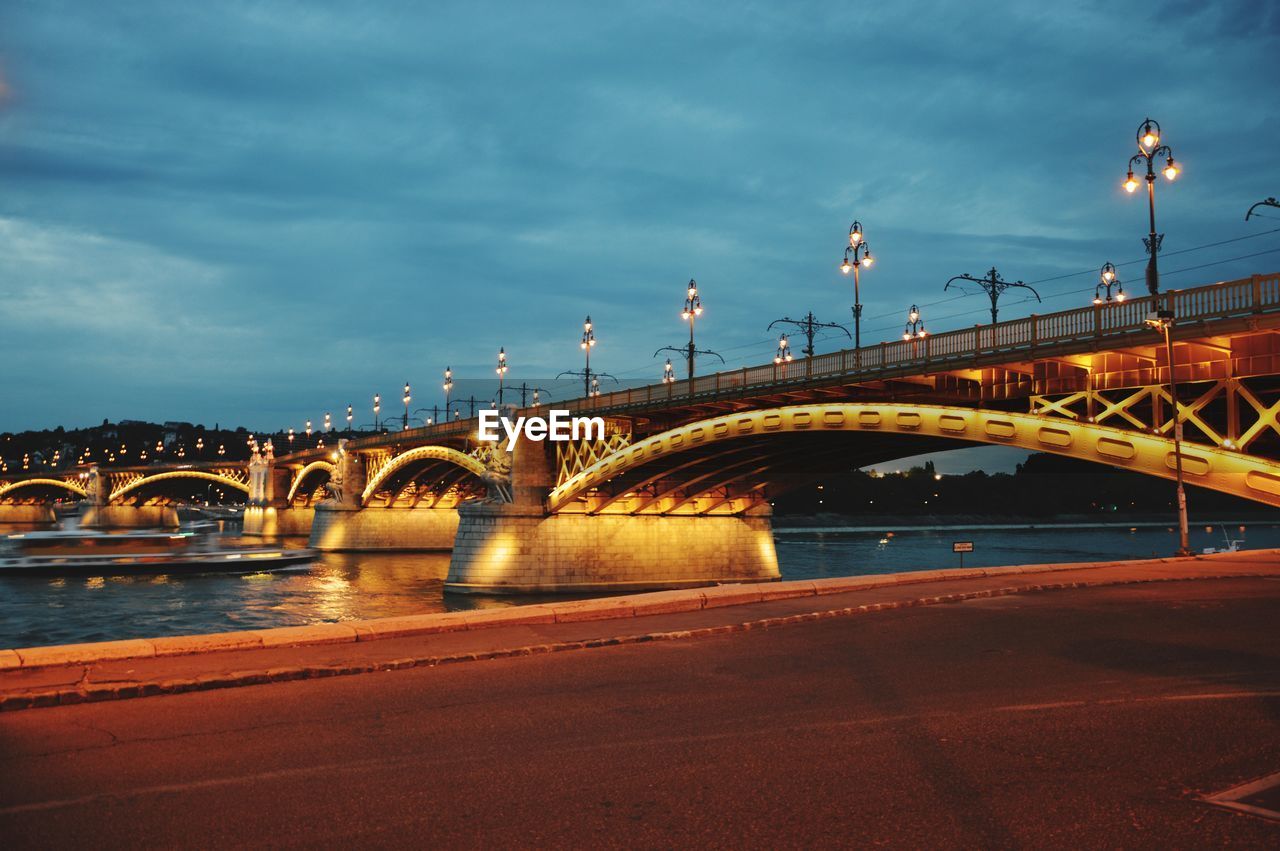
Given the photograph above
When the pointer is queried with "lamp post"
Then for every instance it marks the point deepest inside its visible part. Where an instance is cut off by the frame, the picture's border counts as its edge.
(668, 373)
(1163, 320)
(994, 286)
(290, 443)
(590, 380)
(1106, 280)
(1149, 148)
(377, 406)
(308, 431)
(914, 328)
(856, 255)
(692, 310)
(502, 372)
(328, 422)
(350, 415)
(783, 356)
(407, 399)
(588, 343)
(448, 389)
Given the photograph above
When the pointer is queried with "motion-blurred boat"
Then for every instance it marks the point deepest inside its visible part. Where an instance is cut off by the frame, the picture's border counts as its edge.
(83, 551)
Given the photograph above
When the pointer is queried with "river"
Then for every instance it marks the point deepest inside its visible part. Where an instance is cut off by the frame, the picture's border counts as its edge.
(344, 586)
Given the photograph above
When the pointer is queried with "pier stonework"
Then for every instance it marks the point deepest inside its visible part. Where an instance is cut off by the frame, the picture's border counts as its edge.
(268, 513)
(128, 516)
(336, 529)
(272, 521)
(28, 514)
(518, 547)
(343, 523)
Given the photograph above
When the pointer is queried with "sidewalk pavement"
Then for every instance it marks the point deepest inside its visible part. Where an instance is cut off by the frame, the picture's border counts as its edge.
(67, 674)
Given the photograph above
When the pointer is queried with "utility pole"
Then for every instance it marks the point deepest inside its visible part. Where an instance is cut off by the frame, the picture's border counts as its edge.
(809, 327)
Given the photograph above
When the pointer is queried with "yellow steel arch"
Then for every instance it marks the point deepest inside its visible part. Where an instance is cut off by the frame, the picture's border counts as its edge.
(134, 485)
(5, 490)
(1221, 469)
(422, 453)
(306, 471)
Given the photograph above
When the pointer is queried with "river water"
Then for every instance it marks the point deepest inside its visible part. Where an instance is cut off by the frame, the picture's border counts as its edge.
(345, 586)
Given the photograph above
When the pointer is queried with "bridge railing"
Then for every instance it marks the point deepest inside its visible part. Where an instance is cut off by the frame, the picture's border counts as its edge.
(1114, 320)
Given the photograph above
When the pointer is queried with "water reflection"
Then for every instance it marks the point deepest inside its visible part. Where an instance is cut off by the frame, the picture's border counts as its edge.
(345, 586)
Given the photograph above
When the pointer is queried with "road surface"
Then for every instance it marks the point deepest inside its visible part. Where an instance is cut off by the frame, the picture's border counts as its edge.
(1083, 717)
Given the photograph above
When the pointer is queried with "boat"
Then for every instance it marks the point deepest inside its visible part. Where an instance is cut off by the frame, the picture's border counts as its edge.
(1232, 544)
(97, 553)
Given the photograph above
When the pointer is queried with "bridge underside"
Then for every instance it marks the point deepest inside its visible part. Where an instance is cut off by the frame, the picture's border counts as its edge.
(734, 477)
(734, 463)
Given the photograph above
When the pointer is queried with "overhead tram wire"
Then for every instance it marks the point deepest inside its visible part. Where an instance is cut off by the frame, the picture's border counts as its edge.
(769, 342)
(1090, 289)
(1091, 271)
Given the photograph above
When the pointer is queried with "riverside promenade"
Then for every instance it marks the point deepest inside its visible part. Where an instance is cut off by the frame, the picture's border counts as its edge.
(147, 667)
(1131, 703)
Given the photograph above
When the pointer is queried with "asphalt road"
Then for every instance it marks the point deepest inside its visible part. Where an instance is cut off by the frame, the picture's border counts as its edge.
(1076, 718)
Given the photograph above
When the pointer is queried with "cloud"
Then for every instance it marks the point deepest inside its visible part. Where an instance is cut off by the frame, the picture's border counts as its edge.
(257, 212)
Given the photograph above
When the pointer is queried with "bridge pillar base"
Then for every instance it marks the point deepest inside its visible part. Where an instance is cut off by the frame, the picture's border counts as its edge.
(512, 549)
(28, 514)
(128, 517)
(339, 529)
(277, 522)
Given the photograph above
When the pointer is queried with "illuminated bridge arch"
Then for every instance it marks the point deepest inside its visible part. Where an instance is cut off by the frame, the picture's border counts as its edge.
(312, 470)
(138, 485)
(1235, 473)
(8, 490)
(410, 465)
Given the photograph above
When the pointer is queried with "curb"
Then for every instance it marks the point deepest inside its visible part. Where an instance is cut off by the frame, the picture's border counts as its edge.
(606, 608)
(125, 690)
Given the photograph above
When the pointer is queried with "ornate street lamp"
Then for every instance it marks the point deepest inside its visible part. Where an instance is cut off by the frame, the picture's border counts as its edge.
(856, 255)
(377, 406)
(1163, 320)
(590, 382)
(692, 310)
(1106, 280)
(914, 328)
(993, 285)
(328, 422)
(668, 373)
(1149, 149)
(783, 356)
(290, 443)
(448, 390)
(588, 343)
(502, 372)
(308, 432)
(350, 415)
(407, 399)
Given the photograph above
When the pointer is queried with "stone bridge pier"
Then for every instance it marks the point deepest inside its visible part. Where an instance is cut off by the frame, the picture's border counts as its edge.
(98, 512)
(518, 547)
(269, 512)
(349, 521)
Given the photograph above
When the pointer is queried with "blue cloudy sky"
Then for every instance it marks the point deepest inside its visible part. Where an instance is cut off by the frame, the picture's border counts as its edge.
(255, 212)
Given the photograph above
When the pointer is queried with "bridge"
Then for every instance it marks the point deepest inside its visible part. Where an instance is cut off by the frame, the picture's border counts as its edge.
(114, 497)
(678, 490)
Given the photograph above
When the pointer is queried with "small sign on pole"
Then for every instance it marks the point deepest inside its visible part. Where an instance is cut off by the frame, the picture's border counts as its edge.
(962, 547)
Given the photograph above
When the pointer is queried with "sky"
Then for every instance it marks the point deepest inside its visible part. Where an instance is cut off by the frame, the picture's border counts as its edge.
(253, 213)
